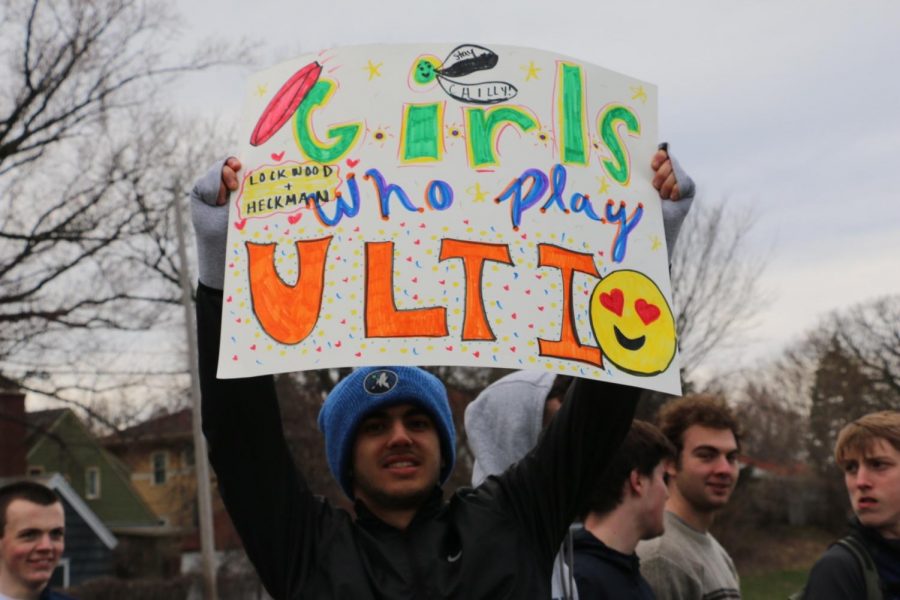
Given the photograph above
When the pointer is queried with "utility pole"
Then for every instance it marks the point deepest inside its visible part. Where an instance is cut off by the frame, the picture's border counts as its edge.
(201, 462)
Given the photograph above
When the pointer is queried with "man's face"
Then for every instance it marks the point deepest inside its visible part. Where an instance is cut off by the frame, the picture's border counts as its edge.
(708, 470)
(654, 503)
(396, 458)
(31, 545)
(873, 482)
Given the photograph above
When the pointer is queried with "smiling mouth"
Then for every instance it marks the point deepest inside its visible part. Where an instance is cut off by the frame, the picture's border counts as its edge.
(627, 342)
(400, 462)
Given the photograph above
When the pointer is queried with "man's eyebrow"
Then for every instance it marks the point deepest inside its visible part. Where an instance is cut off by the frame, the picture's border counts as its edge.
(881, 457)
(710, 448)
(29, 531)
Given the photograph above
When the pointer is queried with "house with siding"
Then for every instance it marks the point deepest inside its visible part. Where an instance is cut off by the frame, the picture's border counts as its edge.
(159, 453)
(59, 442)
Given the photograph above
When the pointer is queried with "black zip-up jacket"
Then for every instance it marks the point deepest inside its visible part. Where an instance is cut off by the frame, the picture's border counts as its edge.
(838, 575)
(606, 574)
(494, 542)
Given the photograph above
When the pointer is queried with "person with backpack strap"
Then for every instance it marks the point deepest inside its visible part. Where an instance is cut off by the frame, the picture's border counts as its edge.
(866, 563)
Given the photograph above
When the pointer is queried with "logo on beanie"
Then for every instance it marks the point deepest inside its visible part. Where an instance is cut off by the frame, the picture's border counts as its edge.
(380, 382)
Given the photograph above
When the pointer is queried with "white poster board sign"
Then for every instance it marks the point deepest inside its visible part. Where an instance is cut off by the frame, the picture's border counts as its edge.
(448, 205)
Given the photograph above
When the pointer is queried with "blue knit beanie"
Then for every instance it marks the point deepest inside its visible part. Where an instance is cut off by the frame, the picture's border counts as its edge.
(371, 388)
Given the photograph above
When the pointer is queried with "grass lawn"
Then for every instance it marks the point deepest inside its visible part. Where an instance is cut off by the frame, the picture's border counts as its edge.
(772, 586)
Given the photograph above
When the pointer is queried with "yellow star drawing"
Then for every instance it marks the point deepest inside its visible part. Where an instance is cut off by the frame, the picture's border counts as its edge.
(639, 93)
(373, 69)
(604, 185)
(478, 194)
(261, 90)
(531, 70)
(655, 242)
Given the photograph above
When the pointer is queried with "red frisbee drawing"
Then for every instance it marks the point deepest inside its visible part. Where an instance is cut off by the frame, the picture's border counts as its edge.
(285, 102)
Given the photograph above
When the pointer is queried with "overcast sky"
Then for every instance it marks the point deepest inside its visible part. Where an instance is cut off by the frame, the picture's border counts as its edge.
(791, 107)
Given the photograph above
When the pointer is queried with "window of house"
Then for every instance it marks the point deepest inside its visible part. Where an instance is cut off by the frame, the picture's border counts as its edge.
(160, 462)
(189, 456)
(92, 483)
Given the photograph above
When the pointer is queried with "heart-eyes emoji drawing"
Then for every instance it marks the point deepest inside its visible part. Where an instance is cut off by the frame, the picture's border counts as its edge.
(633, 323)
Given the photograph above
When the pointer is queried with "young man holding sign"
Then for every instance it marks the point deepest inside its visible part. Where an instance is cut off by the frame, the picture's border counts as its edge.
(391, 443)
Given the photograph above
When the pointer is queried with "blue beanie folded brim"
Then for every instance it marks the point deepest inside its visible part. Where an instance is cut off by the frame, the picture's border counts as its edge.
(372, 388)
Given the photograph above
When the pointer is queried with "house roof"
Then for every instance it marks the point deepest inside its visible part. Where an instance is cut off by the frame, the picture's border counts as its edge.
(176, 425)
(774, 469)
(64, 428)
(41, 422)
(58, 482)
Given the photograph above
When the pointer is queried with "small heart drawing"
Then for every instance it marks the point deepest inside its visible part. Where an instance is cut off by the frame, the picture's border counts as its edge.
(234, 357)
(319, 349)
(277, 157)
(352, 163)
(515, 316)
(476, 354)
(646, 311)
(228, 299)
(253, 347)
(506, 288)
(541, 308)
(613, 301)
(240, 224)
(292, 219)
(358, 354)
(337, 344)
(512, 348)
(415, 280)
(449, 348)
(343, 321)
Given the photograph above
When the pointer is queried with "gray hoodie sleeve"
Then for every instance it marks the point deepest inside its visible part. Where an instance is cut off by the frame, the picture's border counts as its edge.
(675, 211)
(210, 227)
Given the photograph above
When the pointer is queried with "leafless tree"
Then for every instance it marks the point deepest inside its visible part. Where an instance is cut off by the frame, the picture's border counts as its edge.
(91, 166)
(715, 281)
(870, 333)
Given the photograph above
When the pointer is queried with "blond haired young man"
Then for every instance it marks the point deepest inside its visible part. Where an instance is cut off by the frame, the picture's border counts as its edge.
(868, 451)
